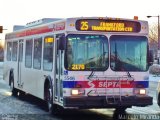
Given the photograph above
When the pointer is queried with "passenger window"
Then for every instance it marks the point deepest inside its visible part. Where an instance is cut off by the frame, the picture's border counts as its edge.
(20, 50)
(37, 53)
(14, 51)
(9, 51)
(28, 55)
(48, 53)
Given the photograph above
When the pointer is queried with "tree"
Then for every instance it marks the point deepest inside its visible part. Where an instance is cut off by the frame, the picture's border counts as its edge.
(153, 33)
(153, 39)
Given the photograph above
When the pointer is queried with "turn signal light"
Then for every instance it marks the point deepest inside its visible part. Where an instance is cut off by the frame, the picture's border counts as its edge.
(142, 91)
(77, 92)
(74, 92)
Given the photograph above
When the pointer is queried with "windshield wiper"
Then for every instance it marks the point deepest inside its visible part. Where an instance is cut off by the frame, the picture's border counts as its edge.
(91, 75)
(128, 74)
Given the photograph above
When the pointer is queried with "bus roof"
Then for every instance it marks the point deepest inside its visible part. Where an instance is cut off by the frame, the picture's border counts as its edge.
(46, 25)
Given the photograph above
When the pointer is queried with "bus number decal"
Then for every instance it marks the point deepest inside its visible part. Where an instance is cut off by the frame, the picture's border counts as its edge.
(69, 78)
(78, 67)
(84, 25)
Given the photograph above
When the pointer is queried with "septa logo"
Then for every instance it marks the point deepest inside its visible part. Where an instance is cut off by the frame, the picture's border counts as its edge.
(91, 84)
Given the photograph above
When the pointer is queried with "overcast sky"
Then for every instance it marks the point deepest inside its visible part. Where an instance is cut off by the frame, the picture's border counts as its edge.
(20, 12)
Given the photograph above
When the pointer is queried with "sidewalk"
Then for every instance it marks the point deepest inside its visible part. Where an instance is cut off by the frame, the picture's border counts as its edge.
(4, 88)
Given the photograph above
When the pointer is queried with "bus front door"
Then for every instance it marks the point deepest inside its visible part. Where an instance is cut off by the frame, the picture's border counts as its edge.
(20, 59)
(58, 94)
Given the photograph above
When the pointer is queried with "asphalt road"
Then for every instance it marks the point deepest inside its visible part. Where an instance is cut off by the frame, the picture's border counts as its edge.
(31, 108)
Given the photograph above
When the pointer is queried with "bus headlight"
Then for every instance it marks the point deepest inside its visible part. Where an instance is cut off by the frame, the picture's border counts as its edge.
(74, 92)
(142, 91)
(77, 92)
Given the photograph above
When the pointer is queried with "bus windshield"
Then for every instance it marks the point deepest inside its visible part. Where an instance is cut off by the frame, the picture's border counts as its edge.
(87, 52)
(128, 53)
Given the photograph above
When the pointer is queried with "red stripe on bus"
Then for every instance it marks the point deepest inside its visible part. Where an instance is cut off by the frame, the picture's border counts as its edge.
(39, 30)
(34, 31)
(106, 84)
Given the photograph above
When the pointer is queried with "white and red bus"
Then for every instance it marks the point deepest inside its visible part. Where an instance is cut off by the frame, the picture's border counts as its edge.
(86, 62)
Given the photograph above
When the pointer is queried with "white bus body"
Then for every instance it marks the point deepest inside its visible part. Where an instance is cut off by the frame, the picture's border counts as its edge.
(80, 62)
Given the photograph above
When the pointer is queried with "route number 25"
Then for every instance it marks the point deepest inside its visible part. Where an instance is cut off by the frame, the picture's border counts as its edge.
(84, 25)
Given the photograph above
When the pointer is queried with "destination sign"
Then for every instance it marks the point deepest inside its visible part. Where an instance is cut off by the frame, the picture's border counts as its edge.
(107, 25)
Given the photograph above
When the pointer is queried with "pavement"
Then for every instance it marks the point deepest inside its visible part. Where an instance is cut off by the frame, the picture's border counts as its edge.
(15, 105)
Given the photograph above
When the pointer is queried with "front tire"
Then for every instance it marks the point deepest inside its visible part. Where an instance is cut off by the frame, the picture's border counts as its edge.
(158, 101)
(120, 109)
(11, 85)
(48, 94)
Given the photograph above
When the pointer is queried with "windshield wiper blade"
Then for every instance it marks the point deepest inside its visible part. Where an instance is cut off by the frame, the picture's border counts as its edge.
(128, 74)
(91, 75)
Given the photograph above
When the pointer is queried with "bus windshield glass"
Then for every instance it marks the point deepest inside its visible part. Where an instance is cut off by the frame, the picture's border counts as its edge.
(128, 53)
(87, 52)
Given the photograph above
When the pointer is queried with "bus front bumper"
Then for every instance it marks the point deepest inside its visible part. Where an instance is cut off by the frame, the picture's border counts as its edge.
(107, 102)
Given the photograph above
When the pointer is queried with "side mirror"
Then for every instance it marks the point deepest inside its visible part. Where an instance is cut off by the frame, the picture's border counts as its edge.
(62, 43)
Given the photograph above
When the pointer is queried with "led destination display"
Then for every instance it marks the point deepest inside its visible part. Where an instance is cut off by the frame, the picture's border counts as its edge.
(107, 25)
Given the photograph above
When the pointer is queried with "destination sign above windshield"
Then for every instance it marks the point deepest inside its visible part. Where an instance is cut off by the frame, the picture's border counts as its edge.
(107, 25)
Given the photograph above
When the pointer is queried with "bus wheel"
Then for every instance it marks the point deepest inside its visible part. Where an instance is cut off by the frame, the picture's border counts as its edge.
(120, 109)
(48, 94)
(158, 100)
(11, 85)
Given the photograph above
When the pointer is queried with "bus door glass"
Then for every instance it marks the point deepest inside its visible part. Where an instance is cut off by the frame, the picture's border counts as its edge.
(59, 71)
(20, 60)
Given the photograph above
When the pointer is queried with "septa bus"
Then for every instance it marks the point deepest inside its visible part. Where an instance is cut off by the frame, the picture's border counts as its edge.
(80, 63)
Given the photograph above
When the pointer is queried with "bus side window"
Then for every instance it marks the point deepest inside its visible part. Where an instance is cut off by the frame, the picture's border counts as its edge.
(9, 51)
(28, 54)
(14, 51)
(48, 53)
(37, 53)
